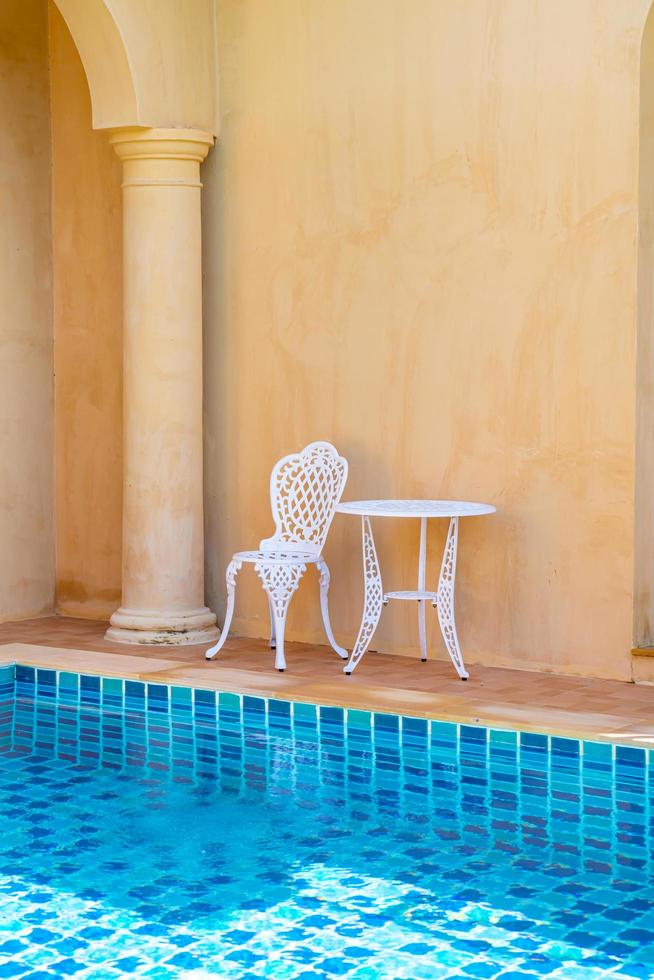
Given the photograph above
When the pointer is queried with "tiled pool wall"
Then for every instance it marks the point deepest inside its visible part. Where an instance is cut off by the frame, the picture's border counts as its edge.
(7, 701)
(115, 722)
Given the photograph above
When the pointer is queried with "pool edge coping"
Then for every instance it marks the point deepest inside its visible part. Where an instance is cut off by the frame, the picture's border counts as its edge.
(456, 718)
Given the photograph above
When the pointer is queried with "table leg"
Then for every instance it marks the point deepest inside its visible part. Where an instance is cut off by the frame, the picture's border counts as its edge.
(373, 597)
(422, 622)
(445, 601)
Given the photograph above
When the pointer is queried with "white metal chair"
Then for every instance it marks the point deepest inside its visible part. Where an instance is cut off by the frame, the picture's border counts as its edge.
(305, 488)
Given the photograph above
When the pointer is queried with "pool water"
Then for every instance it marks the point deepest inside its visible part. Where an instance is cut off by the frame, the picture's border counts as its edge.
(164, 832)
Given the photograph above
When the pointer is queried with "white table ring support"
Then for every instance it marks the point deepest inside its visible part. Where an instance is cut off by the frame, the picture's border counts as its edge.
(442, 600)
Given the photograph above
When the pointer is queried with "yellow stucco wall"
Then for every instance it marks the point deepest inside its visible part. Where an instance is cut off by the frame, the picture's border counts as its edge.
(86, 202)
(421, 244)
(420, 231)
(26, 510)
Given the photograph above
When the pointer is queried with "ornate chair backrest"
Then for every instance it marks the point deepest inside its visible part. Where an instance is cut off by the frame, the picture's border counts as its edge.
(305, 488)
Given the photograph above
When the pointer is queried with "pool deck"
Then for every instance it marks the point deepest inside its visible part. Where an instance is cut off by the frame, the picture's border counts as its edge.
(497, 697)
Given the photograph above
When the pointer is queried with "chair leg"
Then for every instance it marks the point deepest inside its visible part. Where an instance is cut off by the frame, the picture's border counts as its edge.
(324, 606)
(279, 616)
(232, 571)
(280, 581)
(273, 635)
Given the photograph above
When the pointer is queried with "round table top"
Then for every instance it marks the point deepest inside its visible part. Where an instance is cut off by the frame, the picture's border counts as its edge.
(414, 508)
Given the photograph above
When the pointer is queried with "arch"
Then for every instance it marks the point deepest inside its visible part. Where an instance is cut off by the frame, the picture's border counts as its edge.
(104, 56)
(151, 63)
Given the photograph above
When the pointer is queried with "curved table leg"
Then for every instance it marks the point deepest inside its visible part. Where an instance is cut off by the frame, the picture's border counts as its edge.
(373, 599)
(445, 601)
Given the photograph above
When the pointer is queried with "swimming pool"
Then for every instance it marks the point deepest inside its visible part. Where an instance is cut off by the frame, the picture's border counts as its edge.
(169, 832)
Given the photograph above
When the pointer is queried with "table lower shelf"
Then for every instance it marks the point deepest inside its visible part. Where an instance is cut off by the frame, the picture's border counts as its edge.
(408, 595)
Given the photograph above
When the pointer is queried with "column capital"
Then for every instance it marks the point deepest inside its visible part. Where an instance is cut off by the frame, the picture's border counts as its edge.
(134, 143)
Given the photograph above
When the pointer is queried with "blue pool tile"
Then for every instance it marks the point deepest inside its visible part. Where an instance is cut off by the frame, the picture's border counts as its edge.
(415, 727)
(599, 754)
(473, 734)
(127, 965)
(533, 742)
(12, 969)
(65, 968)
(135, 692)
(336, 966)
(332, 716)
(157, 697)
(89, 689)
(417, 949)
(184, 961)
(68, 681)
(503, 739)
(279, 709)
(444, 733)
(205, 703)
(386, 723)
(229, 702)
(257, 706)
(13, 946)
(181, 697)
(245, 956)
(46, 682)
(565, 747)
(25, 674)
(626, 755)
(361, 720)
(112, 691)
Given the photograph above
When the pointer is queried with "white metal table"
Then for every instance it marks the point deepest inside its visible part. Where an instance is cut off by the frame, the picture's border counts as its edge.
(442, 600)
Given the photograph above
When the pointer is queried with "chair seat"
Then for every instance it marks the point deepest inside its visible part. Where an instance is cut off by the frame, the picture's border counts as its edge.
(278, 557)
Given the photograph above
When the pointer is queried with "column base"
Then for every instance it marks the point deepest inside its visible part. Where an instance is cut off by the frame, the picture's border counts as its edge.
(160, 628)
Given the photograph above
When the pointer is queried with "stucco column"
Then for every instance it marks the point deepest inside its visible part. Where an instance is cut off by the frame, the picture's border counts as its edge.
(163, 533)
